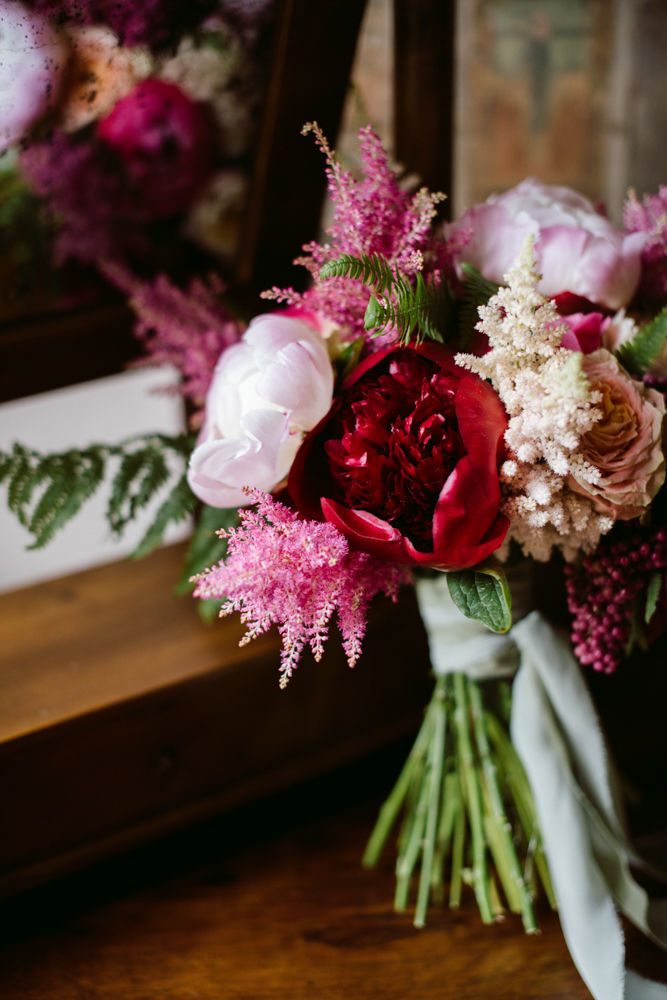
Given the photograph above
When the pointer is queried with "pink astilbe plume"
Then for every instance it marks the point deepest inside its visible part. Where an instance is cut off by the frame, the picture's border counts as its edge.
(186, 329)
(294, 574)
(373, 215)
(650, 216)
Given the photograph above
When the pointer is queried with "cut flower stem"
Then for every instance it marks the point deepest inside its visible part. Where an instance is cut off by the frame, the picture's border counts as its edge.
(467, 810)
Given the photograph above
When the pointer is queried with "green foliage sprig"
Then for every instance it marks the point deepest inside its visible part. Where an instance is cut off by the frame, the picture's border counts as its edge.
(638, 354)
(206, 549)
(424, 310)
(46, 491)
(477, 290)
(419, 311)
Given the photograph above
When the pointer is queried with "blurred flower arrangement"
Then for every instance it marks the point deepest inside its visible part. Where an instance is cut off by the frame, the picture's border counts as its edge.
(440, 407)
(127, 132)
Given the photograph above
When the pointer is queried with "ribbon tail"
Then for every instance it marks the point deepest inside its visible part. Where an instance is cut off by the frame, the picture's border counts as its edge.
(556, 732)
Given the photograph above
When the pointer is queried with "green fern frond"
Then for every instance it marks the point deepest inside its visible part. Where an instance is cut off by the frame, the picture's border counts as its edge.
(73, 478)
(47, 491)
(645, 346)
(140, 475)
(374, 270)
(180, 503)
(477, 290)
(424, 309)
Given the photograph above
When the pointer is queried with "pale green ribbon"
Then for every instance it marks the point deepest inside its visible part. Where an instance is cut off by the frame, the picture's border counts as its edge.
(557, 734)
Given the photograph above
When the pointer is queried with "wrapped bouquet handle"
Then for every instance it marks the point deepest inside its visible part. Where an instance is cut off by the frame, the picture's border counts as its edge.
(564, 795)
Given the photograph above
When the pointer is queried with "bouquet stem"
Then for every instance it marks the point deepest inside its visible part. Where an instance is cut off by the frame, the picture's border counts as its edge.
(466, 805)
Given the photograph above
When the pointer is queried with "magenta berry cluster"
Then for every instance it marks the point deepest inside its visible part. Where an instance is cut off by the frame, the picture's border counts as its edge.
(603, 590)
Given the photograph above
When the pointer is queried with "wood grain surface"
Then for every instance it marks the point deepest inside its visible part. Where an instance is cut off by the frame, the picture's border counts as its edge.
(269, 903)
(123, 717)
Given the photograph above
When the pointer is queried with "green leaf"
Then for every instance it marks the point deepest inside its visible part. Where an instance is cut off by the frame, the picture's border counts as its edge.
(645, 346)
(206, 547)
(180, 503)
(47, 491)
(347, 360)
(374, 270)
(482, 593)
(477, 290)
(652, 595)
(140, 475)
(209, 609)
(637, 634)
(74, 478)
(424, 309)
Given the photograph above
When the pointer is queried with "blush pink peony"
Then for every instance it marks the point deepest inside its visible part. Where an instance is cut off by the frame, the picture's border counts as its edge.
(578, 250)
(32, 58)
(626, 444)
(266, 392)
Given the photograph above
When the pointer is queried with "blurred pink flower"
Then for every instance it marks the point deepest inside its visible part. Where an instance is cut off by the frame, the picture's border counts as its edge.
(164, 141)
(266, 391)
(578, 250)
(32, 57)
(626, 445)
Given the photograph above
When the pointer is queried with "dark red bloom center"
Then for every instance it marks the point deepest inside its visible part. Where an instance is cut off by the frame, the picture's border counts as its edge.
(394, 442)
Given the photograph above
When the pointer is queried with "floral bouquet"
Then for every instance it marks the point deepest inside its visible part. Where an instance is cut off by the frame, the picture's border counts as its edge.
(127, 133)
(441, 408)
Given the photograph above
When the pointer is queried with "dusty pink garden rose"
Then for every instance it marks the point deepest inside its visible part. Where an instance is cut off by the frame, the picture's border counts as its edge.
(101, 71)
(267, 390)
(626, 445)
(32, 57)
(578, 250)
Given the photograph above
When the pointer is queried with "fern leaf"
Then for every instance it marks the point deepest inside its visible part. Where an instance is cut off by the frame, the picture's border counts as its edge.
(645, 346)
(206, 547)
(140, 475)
(73, 478)
(374, 270)
(477, 290)
(425, 311)
(180, 503)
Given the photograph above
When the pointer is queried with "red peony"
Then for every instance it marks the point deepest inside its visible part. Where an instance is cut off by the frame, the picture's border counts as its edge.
(163, 140)
(406, 462)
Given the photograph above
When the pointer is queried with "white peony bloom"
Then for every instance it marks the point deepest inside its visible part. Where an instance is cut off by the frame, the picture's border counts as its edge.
(267, 390)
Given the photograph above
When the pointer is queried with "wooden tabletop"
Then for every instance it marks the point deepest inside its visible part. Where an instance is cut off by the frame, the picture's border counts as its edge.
(268, 902)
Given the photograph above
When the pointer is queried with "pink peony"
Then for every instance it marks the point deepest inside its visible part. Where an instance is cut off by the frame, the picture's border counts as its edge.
(578, 250)
(32, 57)
(266, 391)
(626, 445)
(164, 141)
(590, 331)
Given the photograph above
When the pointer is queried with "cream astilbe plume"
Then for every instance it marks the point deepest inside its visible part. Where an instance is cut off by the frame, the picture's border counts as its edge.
(550, 405)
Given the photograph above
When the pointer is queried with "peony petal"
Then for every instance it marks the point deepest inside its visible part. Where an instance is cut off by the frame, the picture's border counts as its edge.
(457, 555)
(367, 532)
(301, 381)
